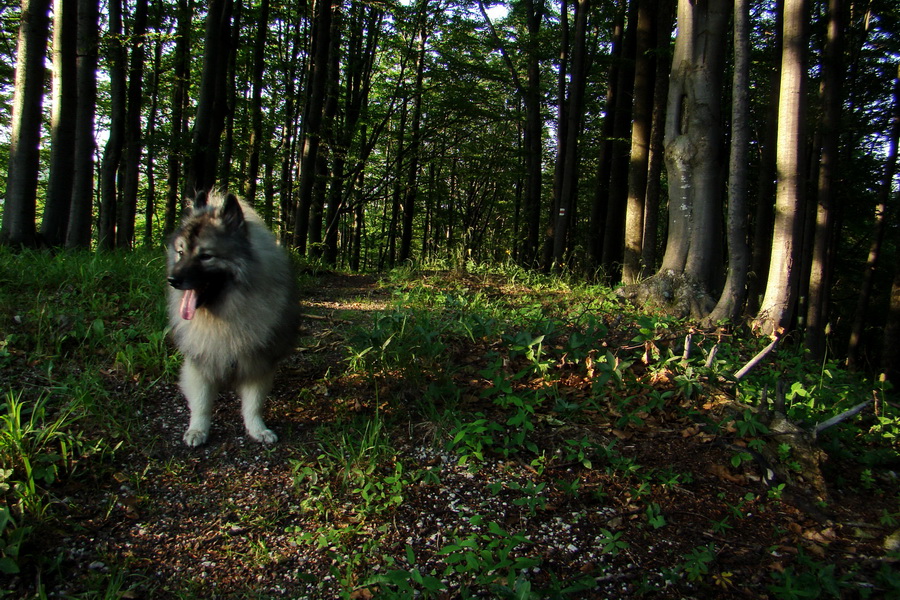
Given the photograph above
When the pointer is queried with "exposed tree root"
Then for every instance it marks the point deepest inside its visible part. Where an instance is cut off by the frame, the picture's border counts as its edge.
(673, 293)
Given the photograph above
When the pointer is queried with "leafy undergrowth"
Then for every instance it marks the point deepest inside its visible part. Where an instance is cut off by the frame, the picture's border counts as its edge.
(490, 434)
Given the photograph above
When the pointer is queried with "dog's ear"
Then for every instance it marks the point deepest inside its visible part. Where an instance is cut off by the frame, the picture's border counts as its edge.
(232, 215)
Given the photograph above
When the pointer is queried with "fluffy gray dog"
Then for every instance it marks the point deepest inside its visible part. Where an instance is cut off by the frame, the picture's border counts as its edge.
(233, 310)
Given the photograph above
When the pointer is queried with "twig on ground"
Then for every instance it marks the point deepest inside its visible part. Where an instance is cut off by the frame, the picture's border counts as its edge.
(755, 360)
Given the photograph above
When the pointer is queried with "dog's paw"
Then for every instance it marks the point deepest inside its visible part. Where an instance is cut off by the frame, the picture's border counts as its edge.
(264, 436)
(195, 437)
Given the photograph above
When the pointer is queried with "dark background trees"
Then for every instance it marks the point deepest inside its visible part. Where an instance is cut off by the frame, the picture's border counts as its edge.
(531, 131)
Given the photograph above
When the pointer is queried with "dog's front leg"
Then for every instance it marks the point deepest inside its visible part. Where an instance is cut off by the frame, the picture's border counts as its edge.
(200, 393)
(253, 397)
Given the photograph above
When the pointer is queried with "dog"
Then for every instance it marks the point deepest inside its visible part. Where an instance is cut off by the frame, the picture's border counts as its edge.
(233, 309)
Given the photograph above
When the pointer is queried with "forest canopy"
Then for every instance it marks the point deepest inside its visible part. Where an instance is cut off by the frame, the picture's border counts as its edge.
(731, 162)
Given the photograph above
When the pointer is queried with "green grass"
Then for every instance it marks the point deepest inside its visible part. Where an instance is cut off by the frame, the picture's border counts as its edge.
(535, 386)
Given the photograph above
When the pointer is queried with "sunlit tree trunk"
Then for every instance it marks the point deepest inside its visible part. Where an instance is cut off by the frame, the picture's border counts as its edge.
(777, 307)
(20, 204)
(641, 111)
(65, 102)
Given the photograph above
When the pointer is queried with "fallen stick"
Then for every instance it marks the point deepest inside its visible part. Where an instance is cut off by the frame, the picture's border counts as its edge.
(755, 360)
(841, 417)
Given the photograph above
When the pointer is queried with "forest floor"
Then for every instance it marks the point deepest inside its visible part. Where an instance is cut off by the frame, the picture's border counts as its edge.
(368, 494)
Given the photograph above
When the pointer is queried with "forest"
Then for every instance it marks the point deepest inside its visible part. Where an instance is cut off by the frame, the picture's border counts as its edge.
(722, 162)
(599, 298)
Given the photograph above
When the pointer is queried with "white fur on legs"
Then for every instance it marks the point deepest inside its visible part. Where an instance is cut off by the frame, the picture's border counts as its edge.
(253, 397)
(200, 394)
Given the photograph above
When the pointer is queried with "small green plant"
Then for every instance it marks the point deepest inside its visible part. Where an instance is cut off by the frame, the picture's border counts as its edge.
(697, 562)
(655, 518)
(484, 557)
(408, 582)
(749, 424)
(612, 543)
(472, 439)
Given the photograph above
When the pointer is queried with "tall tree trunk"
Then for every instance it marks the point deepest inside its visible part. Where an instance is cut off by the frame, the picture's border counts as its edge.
(534, 127)
(133, 143)
(881, 210)
(362, 43)
(178, 144)
(65, 102)
(20, 206)
(530, 94)
(256, 129)
(761, 247)
(600, 203)
(575, 115)
(562, 124)
(150, 204)
(314, 113)
(641, 111)
(211, 106)
(733, 294)
(81, 211)
(655, 160)
(777, 307)
(614, 234)
(115, 143)
(823, 243)
(228, 94)
(692, 146)
(409, 196)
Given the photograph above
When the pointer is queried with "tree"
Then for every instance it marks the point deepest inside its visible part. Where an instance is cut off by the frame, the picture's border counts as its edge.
(777, 306)
(819, 278)
(571, 132)
(256, 128)
(731, 300)
(211, 104)
(19, 214)
(180, 74)
(79, 228)
(314, 113)
(409, 197)
(115, 143)
(693, 140)
(127, 209)
(62, 146)
(879, 226)
(640, 144)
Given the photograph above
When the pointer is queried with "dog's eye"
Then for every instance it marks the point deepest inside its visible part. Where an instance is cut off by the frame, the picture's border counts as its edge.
(204, 256)
(180, 253)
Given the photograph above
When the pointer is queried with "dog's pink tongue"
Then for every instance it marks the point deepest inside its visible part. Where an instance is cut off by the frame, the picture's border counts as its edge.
(188, 304)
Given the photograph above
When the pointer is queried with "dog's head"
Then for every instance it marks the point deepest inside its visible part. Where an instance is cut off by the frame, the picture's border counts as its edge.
(208, 252)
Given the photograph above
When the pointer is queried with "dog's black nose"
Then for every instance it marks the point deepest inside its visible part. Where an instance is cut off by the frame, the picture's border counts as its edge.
(176, 282)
